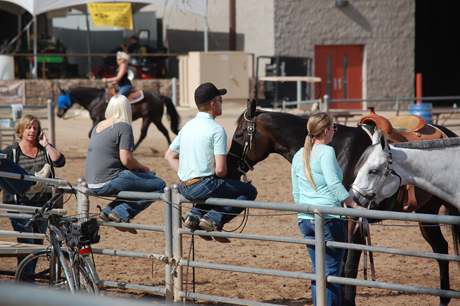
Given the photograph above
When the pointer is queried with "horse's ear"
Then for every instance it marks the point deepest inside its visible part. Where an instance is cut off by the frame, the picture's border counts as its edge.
(379, 137)
(376, 136)
(62, 90)
(383, 141)
(251, 105)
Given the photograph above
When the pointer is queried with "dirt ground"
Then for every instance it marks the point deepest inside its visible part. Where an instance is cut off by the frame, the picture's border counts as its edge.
(272, 179)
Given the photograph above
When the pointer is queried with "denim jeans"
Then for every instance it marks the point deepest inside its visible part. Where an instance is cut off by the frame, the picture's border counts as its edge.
(214, 187)
(124, 90)
(130, 181)
(13, 186)
(38, 227)
(335, 230)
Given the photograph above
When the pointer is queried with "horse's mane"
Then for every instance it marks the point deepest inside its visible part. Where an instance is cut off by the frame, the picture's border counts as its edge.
(287, 116)
(85, 95)
(429, 144)
(84, 89)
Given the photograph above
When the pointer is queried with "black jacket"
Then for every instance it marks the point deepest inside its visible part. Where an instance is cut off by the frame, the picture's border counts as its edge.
(13, 153)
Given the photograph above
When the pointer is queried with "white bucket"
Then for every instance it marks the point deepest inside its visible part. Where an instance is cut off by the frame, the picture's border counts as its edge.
(6, 67)
(6, 123)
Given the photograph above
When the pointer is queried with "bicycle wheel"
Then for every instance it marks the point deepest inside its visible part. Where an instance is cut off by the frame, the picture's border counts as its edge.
(57, 280)
(88, 281)
(42, 275)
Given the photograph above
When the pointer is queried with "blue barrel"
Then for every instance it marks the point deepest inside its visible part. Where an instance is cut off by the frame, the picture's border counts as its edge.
(424, 110)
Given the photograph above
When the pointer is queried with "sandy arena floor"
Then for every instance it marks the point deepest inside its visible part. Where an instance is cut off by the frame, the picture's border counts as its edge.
(272, 179)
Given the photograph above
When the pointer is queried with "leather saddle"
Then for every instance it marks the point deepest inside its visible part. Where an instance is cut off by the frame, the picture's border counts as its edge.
(405, 128)
(135, 95)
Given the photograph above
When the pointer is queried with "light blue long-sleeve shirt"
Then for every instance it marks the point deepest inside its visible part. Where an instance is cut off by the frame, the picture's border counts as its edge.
(327, 176)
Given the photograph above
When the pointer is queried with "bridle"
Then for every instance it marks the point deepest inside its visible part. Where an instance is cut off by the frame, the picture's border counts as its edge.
(388, 170)
(242, 162)
(370, 196)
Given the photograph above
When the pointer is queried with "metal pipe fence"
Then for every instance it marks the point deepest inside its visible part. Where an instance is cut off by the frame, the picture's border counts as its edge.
(319, 242)
(325, 102)
(174, 261)
(42, 56)
(445, 116)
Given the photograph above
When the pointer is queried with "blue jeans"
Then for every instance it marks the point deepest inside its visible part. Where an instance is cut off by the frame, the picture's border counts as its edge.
(214, 187)
(335, 230)
(124, 90)
(38, 227)
(130, 181)
(13, 186)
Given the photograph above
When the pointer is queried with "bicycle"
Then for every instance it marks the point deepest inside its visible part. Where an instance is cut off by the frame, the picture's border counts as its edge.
(70, 269)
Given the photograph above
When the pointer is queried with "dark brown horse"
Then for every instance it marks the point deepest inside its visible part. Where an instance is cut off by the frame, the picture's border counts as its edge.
(150, 109)
(259, 133)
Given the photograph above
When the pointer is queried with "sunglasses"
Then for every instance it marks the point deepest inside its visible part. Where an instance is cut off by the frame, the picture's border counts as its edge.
(335, 128)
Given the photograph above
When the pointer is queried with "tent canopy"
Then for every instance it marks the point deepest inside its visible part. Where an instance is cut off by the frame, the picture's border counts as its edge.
(37, 7)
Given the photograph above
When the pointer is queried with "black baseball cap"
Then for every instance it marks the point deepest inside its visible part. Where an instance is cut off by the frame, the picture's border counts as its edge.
(206, 92)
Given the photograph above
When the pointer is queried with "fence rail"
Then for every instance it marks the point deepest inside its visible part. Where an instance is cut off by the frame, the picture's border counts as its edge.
(42, 56)
(446, 116)
(174, 261)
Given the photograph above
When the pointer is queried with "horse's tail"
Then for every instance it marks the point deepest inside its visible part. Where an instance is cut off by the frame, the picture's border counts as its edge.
(173, 114)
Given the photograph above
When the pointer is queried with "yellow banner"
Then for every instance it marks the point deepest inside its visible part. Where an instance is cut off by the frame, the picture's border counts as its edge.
(117, 14)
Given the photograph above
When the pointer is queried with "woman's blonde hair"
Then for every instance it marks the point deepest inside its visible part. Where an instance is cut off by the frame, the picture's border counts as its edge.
(24, 123)
(316, 125)
(123, 55)
(119, 109)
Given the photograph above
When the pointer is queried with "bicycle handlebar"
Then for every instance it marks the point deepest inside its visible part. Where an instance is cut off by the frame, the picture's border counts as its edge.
(49, 205)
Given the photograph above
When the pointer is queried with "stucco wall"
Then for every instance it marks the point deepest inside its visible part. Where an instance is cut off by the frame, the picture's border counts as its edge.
(254, 26)
(386, 28)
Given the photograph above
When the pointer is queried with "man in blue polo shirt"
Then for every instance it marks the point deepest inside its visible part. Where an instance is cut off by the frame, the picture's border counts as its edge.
(199, 156)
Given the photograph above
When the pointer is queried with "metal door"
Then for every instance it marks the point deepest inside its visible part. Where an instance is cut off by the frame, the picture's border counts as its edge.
(340, 68)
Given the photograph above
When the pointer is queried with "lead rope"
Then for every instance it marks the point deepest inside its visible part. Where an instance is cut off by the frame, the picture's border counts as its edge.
(363, 225)
(367, 240)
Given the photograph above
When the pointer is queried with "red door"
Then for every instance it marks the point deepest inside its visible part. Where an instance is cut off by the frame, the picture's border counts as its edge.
(341, 68)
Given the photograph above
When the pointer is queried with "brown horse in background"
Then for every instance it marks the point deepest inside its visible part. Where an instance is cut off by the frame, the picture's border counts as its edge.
(95, 100)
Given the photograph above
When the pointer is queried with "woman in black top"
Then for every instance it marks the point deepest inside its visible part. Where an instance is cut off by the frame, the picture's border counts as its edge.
(124, 84)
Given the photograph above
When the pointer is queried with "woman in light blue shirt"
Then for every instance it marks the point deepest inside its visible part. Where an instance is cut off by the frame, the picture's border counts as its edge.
(317, 180)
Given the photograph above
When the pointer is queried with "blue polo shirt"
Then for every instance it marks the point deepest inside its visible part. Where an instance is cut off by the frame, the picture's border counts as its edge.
(197, 143)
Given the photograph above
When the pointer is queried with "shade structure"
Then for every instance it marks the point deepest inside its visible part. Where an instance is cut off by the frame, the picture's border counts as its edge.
(37, 7)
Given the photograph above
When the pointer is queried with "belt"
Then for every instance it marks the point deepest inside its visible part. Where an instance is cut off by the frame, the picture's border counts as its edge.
(191, 182)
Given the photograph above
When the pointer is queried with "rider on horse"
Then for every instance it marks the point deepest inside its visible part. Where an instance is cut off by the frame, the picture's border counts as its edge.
(124, 84)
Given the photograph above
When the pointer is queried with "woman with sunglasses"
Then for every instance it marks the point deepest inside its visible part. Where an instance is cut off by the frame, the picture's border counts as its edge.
(124, 84)
(317, 180)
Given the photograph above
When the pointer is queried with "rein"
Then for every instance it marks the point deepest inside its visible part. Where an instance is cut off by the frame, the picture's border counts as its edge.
(365, 232)
(247, 145)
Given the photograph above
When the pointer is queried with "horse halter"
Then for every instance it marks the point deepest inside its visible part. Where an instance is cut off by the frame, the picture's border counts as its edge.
(64, 101)
(242, 162)
(388, 170)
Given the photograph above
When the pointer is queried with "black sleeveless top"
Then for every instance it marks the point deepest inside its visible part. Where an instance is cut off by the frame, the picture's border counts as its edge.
(124, 80)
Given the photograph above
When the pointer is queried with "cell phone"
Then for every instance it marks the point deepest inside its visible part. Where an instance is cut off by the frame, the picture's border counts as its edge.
(40, 134)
